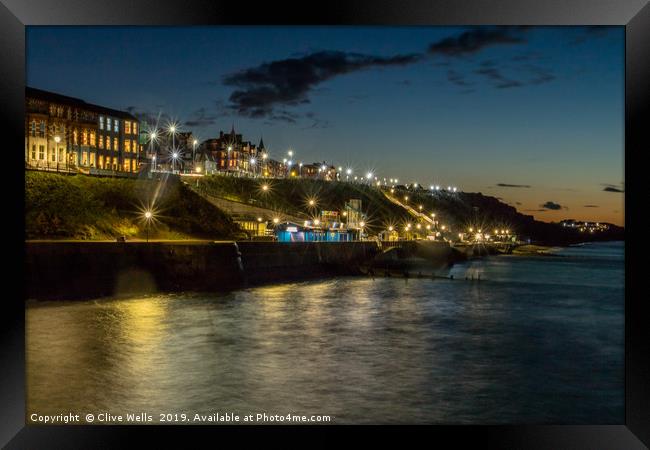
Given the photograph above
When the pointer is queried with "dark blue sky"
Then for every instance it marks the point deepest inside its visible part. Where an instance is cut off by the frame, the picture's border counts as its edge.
(537, 110)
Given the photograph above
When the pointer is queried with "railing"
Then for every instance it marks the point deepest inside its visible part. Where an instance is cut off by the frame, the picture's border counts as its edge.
(52, 166)
(385, 245)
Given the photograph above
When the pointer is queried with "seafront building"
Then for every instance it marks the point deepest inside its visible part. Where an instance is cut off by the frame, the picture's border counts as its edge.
(68, 134)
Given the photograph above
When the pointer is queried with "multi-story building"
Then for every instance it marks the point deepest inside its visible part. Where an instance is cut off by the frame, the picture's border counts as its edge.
(319, 170)
(275, 169)
(66, 133)
(233, 154)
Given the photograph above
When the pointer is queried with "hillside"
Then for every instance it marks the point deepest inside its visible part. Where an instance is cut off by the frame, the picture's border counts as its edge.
(84, 207)
(458, 211)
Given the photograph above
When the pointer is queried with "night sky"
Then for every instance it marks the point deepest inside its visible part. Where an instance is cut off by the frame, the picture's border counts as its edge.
(531, 115)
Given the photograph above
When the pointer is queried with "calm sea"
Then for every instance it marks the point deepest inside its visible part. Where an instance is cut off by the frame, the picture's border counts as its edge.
(537, 340)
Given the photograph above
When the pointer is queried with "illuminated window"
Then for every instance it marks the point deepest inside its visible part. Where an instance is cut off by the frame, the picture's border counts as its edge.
(92, 159)
(84, 137)
(127, 145)
(117, 125)
(115, 144)
(108, 123)
(75, 137)
(84, 158)
(135, 127)
(127, 127)
(101, 141)
(41, 131)
(92, 138)
(101, 122)
(108, 142)
(133, 165)
(127, 164)
(41, 152)
(32, 128)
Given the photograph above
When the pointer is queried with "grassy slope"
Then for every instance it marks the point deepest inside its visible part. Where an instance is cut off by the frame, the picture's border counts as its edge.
(292, 197)
(459, 211)
(83, 207)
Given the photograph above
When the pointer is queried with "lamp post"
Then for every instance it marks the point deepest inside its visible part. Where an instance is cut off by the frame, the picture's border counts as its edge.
(147, 216)
(57, 139)
(228, 158)
(300, 169)
(174, 157)
(194, 142)
(153, 135)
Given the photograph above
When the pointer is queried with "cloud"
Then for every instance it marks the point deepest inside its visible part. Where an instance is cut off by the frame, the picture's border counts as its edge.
(540, 75)
(551, 205)
(157, 119)
(612, 188)
(513, 185)
(457, 79)
(593, 32)
(201, 117)
(497, 78)
(287, 82)
(475, 40)
(590, 206)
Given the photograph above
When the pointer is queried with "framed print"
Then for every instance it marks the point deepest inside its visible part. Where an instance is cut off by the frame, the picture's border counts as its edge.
(240, 217)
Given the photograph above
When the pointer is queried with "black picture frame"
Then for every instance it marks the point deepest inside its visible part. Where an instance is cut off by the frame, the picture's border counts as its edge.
(633, 14)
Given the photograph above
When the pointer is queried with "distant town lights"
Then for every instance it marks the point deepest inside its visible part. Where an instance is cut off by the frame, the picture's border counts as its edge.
(369, 175)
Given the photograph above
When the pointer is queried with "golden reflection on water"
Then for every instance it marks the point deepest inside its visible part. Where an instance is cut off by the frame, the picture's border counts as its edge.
(357, 348)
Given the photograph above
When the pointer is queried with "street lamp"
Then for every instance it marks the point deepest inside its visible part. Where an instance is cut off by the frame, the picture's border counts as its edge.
(153, 137)
(148, 215)
(174, 157)
(194, 143)
(57, 139)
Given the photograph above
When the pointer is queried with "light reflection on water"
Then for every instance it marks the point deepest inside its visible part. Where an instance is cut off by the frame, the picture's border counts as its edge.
(539, 340)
